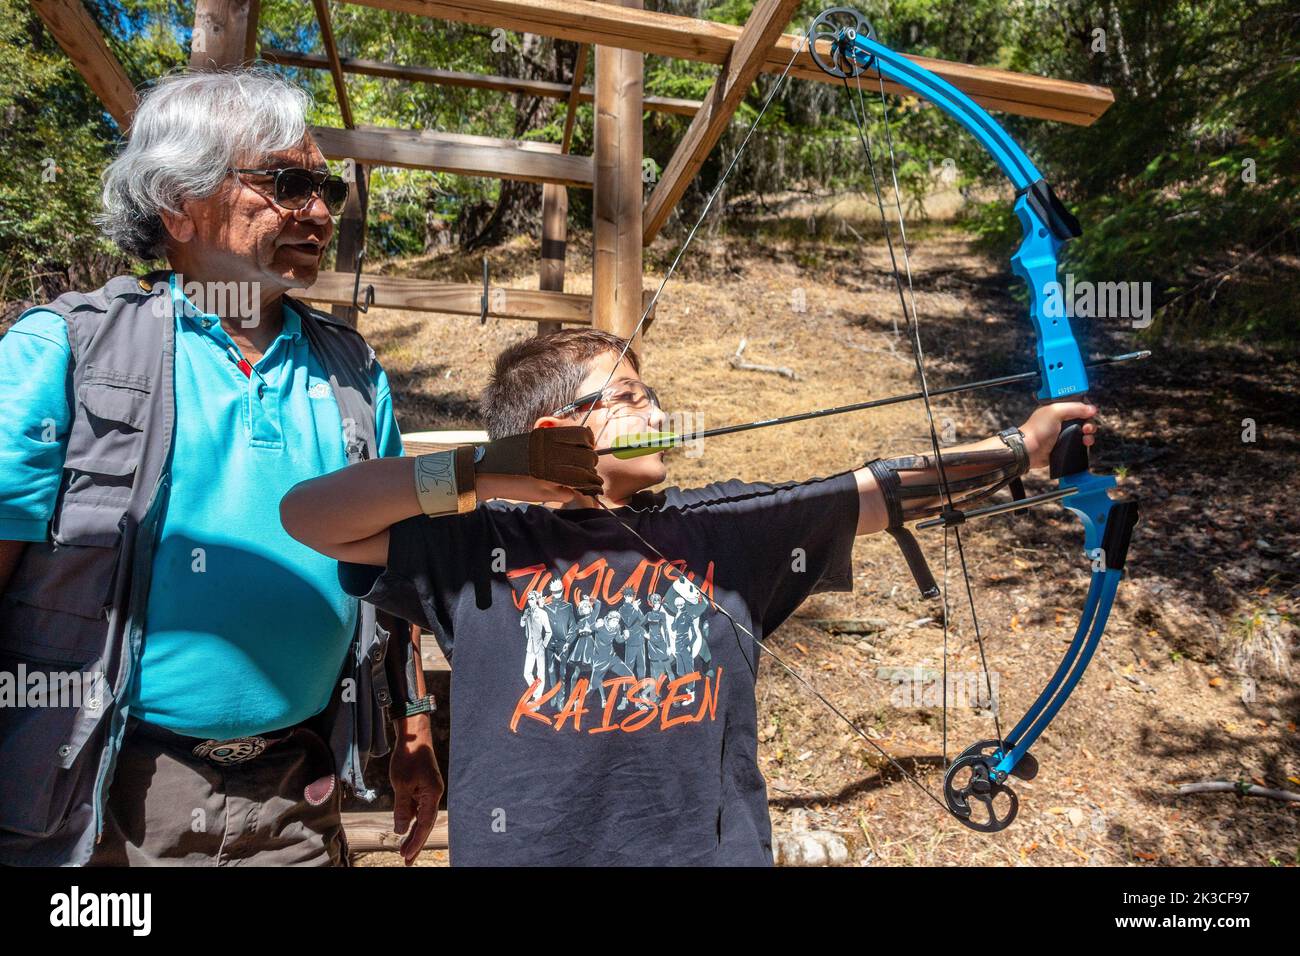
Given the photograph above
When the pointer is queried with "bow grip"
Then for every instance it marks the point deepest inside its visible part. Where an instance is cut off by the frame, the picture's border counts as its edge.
(1069, 454)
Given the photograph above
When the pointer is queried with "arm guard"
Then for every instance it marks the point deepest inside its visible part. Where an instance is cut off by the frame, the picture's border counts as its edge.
(921, 498)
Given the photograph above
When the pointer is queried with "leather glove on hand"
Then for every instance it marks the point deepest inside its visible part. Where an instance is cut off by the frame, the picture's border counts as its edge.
(564, 455)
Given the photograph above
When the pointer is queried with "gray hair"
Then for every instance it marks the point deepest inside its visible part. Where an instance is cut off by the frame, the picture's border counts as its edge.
(188, 130)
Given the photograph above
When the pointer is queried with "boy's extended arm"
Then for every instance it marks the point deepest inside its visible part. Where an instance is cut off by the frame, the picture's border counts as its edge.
(1040, 434)
(347, 513)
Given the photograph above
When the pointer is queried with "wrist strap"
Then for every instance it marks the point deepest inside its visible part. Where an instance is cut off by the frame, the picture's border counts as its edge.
(444, 482)
(1014, 439)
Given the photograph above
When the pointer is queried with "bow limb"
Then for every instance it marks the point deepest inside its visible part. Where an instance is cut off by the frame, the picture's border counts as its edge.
(1108, 529)
(1045, 222)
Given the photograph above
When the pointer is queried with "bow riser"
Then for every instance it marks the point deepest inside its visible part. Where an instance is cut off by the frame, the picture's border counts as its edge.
(1060, 363)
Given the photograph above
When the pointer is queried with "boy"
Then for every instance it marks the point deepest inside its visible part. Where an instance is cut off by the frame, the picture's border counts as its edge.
(609, 767)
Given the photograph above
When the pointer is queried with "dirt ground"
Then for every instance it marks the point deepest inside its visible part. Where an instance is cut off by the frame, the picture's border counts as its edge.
(1193, 680)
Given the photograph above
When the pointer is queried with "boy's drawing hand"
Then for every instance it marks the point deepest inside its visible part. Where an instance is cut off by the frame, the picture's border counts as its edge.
(563, 456)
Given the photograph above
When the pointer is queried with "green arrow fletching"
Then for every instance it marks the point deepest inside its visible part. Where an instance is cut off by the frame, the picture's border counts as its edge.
(644, 443)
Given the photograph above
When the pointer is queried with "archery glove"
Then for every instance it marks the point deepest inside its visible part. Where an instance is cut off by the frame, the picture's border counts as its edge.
(564, 455)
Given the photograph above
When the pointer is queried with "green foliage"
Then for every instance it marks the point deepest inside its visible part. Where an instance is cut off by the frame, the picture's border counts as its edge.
(1204, 92)
(56, 139)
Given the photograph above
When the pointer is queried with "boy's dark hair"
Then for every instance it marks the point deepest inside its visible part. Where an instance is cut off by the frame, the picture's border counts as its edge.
(534, 377)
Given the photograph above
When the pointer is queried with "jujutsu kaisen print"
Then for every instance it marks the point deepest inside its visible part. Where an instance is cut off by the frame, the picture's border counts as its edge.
(632, 653)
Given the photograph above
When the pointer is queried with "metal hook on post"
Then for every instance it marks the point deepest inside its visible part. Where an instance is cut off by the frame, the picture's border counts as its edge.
(360, 193)
(356, 285)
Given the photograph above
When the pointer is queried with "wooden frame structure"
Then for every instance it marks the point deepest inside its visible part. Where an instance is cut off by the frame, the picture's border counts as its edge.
(621, 32)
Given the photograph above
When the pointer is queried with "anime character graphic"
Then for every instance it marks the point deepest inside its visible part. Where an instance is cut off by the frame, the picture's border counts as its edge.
(633, 620)
(683, 632)
(537, 634)
(690, 627)
(564, 631)
(583, 651)
(605, 657)
(659, 642)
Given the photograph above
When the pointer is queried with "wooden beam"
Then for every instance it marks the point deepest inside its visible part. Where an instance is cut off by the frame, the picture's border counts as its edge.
(76, 32)
(1021, 94)
(456, 153)
(332, 56)
(372, 832)
(688, 38)
(221, 33)
(761, 30)
(575, 92)
(453, 298)
(432, 659)
(480, 81)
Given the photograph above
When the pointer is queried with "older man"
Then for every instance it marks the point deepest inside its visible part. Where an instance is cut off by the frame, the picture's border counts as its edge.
(153, 427)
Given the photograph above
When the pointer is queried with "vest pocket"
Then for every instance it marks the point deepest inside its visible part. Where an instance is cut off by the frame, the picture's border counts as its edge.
(44, 772)
(104, 447)
(55, 606)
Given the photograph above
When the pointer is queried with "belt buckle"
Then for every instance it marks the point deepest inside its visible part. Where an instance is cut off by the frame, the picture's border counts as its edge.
(231, 751)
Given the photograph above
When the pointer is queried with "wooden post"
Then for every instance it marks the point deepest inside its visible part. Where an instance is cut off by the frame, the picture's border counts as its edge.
(352, 236)
(555, 203)
(225, 33)
(555, 218)
(616, 225)
(352, 224)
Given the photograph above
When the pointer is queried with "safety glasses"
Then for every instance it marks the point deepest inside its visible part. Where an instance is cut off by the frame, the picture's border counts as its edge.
(628, 395)
(294, 187)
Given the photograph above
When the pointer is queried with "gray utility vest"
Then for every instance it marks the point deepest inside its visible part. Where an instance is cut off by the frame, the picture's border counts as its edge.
(75, 603)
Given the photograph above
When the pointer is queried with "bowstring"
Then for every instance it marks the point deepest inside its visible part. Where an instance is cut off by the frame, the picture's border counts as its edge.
(961, 552)
(690, 236)
(907, 301)
(760, 644)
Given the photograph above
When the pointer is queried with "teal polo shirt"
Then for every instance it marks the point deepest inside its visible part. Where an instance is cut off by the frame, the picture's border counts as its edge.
(246, 629)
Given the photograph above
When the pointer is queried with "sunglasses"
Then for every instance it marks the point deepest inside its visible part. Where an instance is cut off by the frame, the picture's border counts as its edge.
(294, 187)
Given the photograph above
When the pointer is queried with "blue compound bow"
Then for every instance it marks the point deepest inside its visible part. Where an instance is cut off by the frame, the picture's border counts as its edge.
(843, 44)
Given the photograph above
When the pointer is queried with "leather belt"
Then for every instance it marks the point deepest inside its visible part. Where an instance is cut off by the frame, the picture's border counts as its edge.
(223, 753)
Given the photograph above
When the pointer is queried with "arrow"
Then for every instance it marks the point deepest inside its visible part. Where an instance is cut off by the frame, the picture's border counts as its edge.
(649, 443)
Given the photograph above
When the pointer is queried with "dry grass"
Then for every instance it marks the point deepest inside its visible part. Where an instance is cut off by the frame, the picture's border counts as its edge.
(1142, 717)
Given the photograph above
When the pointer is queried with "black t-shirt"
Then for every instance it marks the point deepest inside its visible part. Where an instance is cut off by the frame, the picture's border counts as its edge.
(602, 711)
